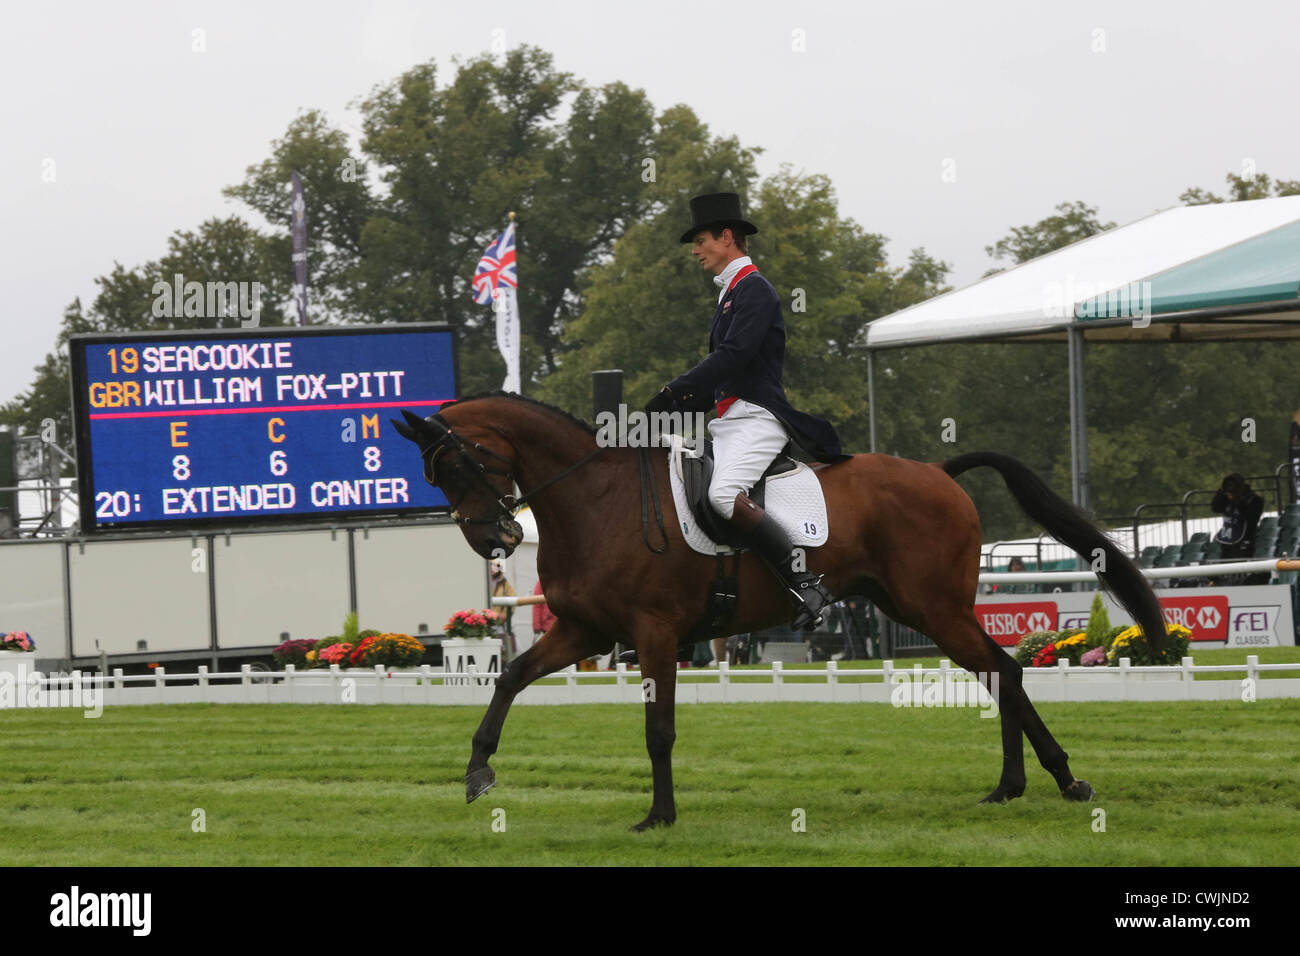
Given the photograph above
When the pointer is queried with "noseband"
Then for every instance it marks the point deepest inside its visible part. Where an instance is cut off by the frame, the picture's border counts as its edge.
(507, 505)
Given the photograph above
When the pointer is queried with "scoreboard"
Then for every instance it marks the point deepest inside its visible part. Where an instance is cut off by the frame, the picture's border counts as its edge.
(186, 429)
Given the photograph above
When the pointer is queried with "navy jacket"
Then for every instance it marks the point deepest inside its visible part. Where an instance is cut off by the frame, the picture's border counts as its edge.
(746, 353)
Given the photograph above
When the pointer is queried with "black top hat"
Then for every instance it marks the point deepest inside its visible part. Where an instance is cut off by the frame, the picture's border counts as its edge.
(717, 209)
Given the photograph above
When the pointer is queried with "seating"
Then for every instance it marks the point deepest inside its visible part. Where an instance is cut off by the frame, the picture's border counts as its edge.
(1168, 556)
(1265, 545)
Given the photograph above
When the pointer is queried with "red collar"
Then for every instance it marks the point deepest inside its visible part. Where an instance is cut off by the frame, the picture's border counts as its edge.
(741, 274)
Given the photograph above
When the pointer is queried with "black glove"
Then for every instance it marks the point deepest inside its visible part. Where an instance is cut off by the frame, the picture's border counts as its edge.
(662, 402)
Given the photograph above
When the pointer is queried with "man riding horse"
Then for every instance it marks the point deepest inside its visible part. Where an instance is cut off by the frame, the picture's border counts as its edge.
(742, 376)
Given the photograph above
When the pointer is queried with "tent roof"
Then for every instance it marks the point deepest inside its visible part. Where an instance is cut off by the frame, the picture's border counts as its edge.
(1217, 271)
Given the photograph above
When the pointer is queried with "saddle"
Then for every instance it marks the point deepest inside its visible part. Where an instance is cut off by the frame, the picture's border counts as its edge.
(697, 474)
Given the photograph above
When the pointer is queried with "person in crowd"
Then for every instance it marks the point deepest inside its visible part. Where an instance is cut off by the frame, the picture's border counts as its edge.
(542, 616)
(501, 587)
(1294, 448)
(1241, 509)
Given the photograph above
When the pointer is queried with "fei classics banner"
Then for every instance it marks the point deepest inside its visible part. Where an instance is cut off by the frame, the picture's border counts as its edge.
(1257, 616)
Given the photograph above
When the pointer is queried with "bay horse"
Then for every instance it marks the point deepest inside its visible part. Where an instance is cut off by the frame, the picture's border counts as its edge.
(902, 533)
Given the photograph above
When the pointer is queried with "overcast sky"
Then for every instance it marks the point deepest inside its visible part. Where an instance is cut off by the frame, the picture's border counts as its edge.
(1123, 105)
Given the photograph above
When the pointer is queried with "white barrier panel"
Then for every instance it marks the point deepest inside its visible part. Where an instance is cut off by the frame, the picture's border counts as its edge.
(1254, 616)
(31, 594)
(906, 686)
(269, 584)
(127, 592)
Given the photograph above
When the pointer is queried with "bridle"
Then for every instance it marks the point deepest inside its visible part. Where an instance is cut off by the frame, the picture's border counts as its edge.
(507, 505)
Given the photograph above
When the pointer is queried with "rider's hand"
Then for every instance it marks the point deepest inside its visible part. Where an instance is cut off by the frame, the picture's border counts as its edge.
(662, 402)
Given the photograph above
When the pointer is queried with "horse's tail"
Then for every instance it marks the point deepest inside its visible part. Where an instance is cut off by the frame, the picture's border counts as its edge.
(1070, 526)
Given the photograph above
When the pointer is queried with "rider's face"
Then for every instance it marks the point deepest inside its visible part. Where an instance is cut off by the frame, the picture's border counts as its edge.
(713, 254)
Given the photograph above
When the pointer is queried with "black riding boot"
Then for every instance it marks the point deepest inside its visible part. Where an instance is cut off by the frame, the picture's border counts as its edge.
(770, 542)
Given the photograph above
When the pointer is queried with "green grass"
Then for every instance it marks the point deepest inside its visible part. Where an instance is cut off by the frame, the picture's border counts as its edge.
(1182, 784)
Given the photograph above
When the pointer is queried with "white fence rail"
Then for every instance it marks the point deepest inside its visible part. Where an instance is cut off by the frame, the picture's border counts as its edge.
(902, 686)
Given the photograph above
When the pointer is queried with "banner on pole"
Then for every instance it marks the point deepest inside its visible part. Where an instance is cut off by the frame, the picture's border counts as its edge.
(496, 282)
(299, 230)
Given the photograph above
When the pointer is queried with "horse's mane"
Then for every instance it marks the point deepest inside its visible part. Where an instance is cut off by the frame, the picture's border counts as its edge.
(585, 426)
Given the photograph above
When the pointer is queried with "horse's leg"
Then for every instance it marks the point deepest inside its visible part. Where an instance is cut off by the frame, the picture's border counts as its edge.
(561, 646)
(959, 635)
(1014, 708)
(659, 665)
(1050, 754)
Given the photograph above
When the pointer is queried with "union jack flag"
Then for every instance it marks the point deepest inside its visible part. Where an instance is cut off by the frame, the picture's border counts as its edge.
(496, 270)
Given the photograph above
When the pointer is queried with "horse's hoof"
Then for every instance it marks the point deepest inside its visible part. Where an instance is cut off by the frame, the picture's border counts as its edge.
(479, 782)
(652, 821)
(1080, 790)
(1002, 795)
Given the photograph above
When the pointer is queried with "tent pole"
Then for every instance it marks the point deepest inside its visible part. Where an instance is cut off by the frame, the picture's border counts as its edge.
(871, 395)
(1078, 422)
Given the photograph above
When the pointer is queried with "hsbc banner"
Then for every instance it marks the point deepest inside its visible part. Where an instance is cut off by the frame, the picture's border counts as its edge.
(1256, 616)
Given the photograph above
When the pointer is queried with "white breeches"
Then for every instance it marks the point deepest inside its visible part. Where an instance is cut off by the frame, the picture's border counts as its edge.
(745, 440)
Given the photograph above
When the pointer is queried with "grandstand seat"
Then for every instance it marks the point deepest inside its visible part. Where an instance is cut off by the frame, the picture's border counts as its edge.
(1265, 545)
(1289, 520)
(1201, 537)
(1192, 553)
(1147, 559)
(1213, 552)
(1267, 525)
(1169, 556)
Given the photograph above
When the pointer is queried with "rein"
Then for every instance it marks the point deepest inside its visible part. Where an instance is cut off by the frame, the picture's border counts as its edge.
(647, 475)
(508, 506)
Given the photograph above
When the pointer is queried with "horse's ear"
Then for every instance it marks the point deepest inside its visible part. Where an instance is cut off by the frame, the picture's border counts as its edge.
(402, 430)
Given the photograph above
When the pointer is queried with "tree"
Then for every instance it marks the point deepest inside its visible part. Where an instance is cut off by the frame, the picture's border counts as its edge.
(1073, 221)
(454, 160)
(1240, 188)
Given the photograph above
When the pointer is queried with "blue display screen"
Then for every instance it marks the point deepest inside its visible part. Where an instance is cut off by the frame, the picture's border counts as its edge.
(243, 427)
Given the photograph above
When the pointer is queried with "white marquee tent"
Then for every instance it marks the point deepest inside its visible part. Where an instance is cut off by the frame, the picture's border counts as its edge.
(1217, 272)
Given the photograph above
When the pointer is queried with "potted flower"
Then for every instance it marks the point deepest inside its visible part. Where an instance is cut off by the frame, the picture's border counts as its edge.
(16, 649)
(294, 652)
(467, 639)
(392, 651)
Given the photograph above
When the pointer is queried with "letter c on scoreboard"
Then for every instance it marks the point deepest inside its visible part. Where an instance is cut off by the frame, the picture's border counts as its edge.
(271, 433)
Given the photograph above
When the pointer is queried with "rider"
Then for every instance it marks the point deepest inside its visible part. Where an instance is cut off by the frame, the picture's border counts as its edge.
(742, 375)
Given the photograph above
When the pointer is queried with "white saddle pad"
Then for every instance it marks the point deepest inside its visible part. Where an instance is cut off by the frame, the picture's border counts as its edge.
(794, 500)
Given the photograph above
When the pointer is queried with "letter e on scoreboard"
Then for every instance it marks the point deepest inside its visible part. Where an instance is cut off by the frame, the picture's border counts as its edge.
(179, 434)
(368, 422)
(271, 433)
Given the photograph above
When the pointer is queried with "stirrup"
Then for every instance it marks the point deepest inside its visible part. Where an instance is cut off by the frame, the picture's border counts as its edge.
(809, 618)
